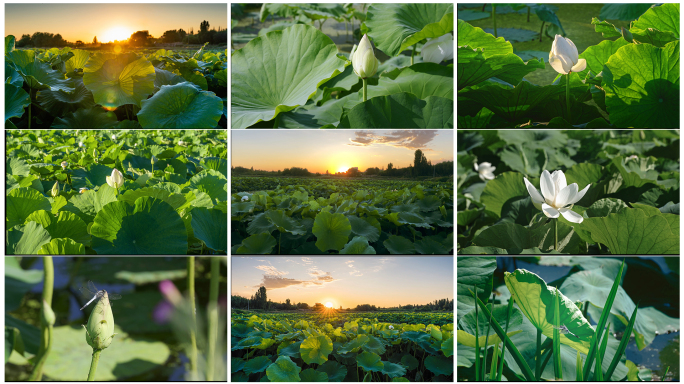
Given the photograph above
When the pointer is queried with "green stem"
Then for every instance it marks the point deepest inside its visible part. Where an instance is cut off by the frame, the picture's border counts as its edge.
(541, 30)
(193, 326)
(413, 52)
(213, 315)
(567, 97)
(365, 89)
(38, 371)
(556, 225)
(48, 282)
(93, 364)
(126, 108)
(276, 121)
(494, 18)
(528, 14)
(537, 356)
(30, 98)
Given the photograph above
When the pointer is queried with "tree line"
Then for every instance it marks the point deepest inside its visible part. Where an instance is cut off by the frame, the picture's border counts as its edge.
(137, 39)
(421, 167)
(260, 301)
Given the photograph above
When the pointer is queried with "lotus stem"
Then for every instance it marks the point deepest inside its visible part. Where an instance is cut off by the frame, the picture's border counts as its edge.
(528, 14)
(537, 356)
(365, 87)
(93, 364)
(213, 316)
(413, 52)
(30, 99)
(556, 225)
(193, 326)
(494, 18)
(567, 97)
(46, 334)
(541, 30)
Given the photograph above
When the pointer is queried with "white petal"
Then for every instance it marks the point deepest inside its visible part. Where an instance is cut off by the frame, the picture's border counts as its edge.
(571, 216)
(573, 50)
(561, 64)
(550, 211)
(548, 187)
(566, 195)
(580, 194)
(488, 175)
(536, 197)
(486, 164)
(559, 180)
(579, 67)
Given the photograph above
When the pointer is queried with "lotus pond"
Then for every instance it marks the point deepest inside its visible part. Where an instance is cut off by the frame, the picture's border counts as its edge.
(520, 294)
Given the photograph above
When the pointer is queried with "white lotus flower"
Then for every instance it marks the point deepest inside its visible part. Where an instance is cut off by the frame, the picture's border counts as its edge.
(558, 197)
(439, 49)
(181, 142)
(116, 180)
(80, 143)
(485, 170)
(136, 144)
(245, 198)
(391, 327)
(55, 189)
(81, 190)
(564, 57)
(64, 164)
(633, 157)
(113, 137)
(363, 59)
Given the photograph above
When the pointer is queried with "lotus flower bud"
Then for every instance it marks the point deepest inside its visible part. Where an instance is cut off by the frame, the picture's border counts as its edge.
(363, 59)
(64, 164)
(154, 159)
(48, 314)
(81, 190)
(100, 328)
(439, 49)
(55, 189)
(113, 137)
(564, 57)
(80, 144)
(245, 198)
(181, 142)
(116, 180)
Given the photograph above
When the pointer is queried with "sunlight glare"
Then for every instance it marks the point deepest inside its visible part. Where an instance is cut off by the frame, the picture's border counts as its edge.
(343, 169)
(329, 304)
(116, 33)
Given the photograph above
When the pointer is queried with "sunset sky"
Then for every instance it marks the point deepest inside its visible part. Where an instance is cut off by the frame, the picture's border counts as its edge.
(345, 281)
(337, 150)
(110, 21)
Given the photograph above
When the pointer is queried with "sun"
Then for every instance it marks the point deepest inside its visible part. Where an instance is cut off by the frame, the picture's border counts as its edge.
(116, 33)
(343, 169)
(328, 305)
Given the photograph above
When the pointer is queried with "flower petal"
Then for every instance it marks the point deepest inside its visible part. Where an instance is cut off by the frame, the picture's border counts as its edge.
(579, 67)
(580, 194)
(559, 180)
(550, 211)
(571, 216)
(534, 194)
(488, 175)
(566, 195)
(548, 187)
(561, 64)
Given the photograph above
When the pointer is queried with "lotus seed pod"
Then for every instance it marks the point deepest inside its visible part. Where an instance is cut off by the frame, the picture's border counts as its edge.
(100, 327)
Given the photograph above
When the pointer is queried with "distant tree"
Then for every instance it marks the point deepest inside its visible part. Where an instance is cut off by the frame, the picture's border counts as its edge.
(95, 40)
(204, 26)
(390, 166)
(24, 41)
(302, 306)
(318, 307)
(260, 299)
(140, 39)
(79, 42)
(287, 303)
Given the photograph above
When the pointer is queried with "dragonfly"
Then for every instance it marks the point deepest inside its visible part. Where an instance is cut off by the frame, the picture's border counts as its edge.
(92, 291)
(564, 330)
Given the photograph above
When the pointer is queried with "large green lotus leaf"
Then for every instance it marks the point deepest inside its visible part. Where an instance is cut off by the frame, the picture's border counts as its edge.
(211, 182)
(312, 116)
(118, 79)
(66, 225)
(422, 80)
(279, 71)
(62, 247)
(256, 365)
(466, 325)
(211, 226)
(21, 58)
(634, 232)
(658, 26)
(336, 372)
(533, 297)
(163, 77)
(363, 227)
(34, 236)
(284, 223)
(152, 226)
(181, 106)
(626, 12)
(513, 236)
(21, 202)
(259, 244)
(59, 102)
(473, 271)
(597, 55)
(506, 186)
(309, 375)
(401, 110)
(284, 369)
(94, 117)
(475, 67)
(18, 282)
(475, 37)
(217, 164)
(140, 356)
(642, 86)
(16, 100)
(440, 365)
(95, 174)
(396, 27)
(39, 75)
(76, 62)
(393, 370)
(358, 246)
(594, 287)
(315, 349)
(369, 361)
(398, 245)
(331, 230)
(512, 103)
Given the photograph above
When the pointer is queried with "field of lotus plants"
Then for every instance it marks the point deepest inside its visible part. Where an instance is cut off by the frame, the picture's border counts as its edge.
(630, 79)
(576, 192)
